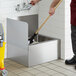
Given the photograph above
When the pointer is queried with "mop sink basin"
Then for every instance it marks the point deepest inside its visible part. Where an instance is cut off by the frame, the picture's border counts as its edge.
(45, 48)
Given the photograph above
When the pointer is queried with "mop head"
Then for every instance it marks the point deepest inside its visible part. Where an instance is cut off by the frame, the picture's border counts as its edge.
(34, 42)
(32, 38)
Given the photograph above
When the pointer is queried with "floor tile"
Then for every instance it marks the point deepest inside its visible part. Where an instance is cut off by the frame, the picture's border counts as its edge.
(34, 71)
(68, 73)
(42, 74)
(64, 71)
(45, 64)
(25, 74)
(27, 69)
(12, 63)
(17, 71)
(53, 68)
(11, 74)
(43, 69)
(74, 74)
(58, 74)
(63, 65)
(51, 72)
(37, 66)
(7, 60)
(11, 68)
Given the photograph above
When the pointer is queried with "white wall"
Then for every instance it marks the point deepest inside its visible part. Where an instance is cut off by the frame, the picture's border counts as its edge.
(68, 46)
(55, 27)
(7, 9)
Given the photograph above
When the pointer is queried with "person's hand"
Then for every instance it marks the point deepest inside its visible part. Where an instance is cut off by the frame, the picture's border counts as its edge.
(51, 11)
(33, 2)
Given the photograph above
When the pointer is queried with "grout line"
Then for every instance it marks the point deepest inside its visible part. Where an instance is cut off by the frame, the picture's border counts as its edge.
(55, 70)
(13, 72)
(50, 69)
(42, 71)
(37, 69)
(30, 73)
(63, 68)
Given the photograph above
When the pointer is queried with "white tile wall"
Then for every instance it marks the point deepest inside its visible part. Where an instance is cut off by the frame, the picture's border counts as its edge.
(55, 27)
(7, 9)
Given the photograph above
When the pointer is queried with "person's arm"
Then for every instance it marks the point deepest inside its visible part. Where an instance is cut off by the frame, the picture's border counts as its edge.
(52, 6)
(33, 2)
(54, 3)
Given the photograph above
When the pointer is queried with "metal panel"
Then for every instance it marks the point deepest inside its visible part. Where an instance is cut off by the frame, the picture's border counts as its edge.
(32, 21)
(17, 40)
(29, 55)
(43, 52)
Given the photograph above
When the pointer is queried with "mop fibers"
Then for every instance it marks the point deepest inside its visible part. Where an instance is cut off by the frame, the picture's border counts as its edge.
(34, 42)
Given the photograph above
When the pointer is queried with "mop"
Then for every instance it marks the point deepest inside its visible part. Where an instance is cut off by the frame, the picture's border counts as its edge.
(31, 40)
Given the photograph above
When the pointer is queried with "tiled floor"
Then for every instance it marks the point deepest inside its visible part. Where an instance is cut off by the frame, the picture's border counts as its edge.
(53, 68)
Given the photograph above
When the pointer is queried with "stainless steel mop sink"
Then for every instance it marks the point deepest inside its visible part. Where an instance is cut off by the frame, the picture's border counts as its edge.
(45, 50)
(41, 39)
(18, 31)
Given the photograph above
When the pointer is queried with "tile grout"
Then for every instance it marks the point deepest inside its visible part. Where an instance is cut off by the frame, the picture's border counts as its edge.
(45, 65)
(56, 71)
(63, 68)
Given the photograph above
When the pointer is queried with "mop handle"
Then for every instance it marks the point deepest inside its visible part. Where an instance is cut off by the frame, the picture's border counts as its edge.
(47, 19)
